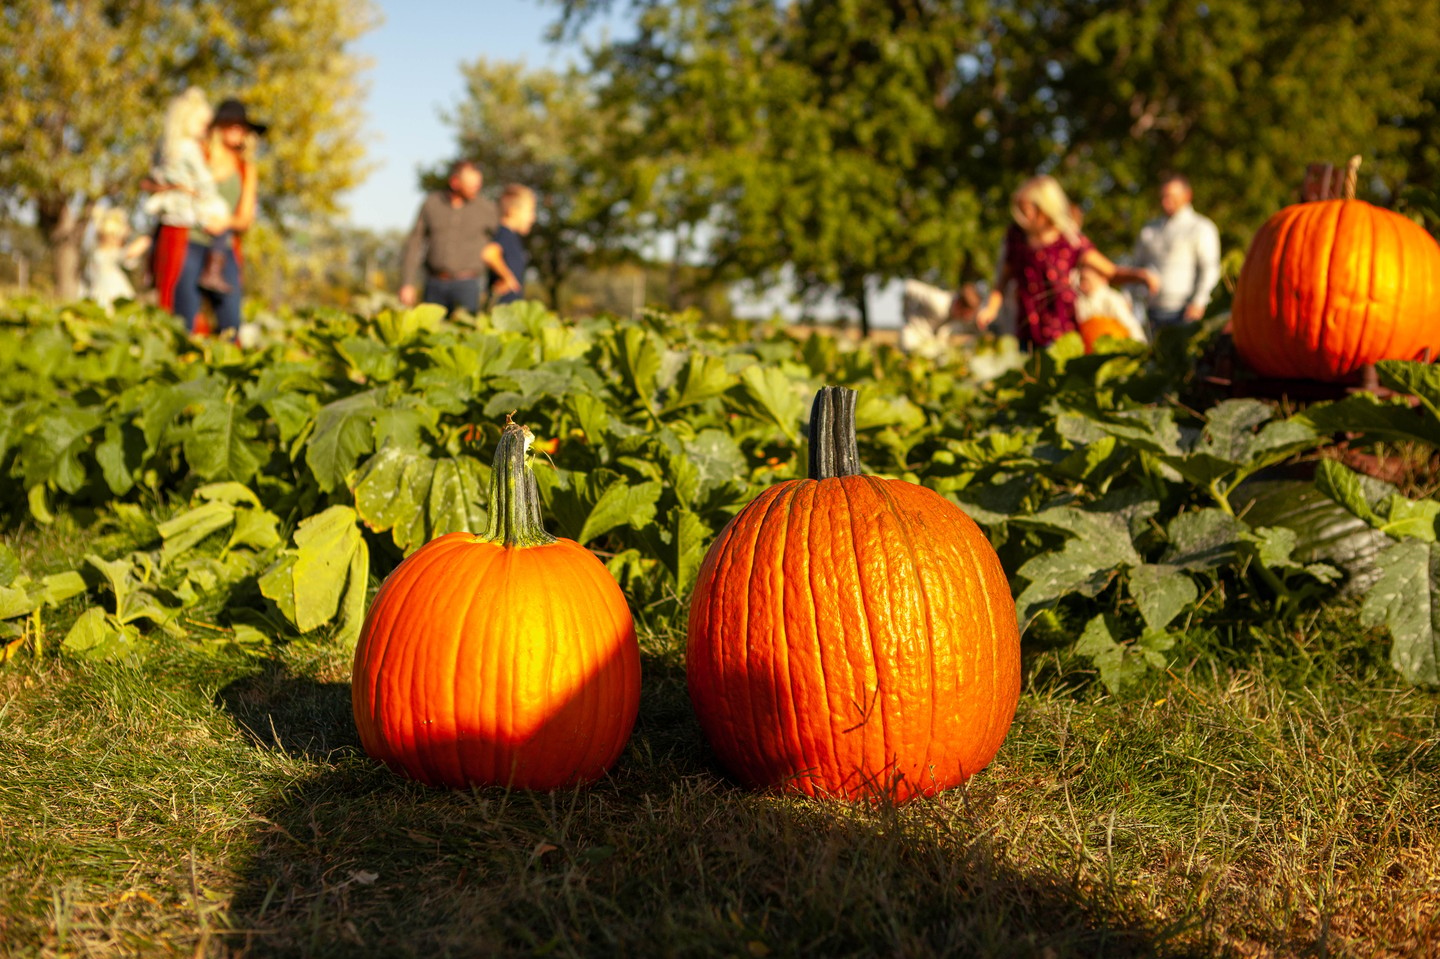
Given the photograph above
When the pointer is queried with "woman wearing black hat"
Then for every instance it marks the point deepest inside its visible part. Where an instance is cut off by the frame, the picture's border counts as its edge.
(231, 156)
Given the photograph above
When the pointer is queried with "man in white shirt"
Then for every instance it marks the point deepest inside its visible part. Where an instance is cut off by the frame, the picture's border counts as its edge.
(1182, 249)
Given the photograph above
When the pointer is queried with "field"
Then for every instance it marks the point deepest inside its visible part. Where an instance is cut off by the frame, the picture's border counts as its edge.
(1226, 740)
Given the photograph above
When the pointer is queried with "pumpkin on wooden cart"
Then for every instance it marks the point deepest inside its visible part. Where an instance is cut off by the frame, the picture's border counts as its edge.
(852, 636)
(502, 659)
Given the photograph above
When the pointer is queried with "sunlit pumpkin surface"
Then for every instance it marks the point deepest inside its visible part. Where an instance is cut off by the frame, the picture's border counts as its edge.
(486, 665)
(1332, 286)
(853, 637)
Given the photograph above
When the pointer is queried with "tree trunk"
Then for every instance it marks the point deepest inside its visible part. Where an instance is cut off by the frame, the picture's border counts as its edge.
(854, 290)
(64, 229)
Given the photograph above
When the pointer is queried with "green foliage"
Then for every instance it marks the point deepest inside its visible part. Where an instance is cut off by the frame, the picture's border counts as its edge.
(269, 489)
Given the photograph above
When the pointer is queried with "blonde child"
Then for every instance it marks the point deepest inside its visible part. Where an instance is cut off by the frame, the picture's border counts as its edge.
(105, 277)
(188, 195)
(505, 255)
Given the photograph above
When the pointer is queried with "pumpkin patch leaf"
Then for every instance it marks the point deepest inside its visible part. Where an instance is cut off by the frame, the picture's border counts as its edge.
(1421, 380)
(703, 377)
(1205, 539)
(1406, 600)
(620, 505)
(1376, 419)
(307, 583)
(769, 395)
(344, 431)
(181, 533)
(1118, 666)
(639, 358)
(1081, 566)
(1161, 593)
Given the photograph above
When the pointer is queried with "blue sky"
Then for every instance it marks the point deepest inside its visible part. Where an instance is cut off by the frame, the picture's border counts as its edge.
(415, 56)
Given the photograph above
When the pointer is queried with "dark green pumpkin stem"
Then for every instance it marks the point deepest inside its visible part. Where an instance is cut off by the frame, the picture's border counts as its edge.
(515, 518)
(833, 452)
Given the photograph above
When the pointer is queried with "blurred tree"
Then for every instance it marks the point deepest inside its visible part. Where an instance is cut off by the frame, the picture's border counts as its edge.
(545, 129)
(881, 138)
(85, 85)
(811, 135)
(1237, 95)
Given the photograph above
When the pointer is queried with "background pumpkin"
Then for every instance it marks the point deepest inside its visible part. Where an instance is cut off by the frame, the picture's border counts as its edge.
(1331, 286)
(852, 636)
(1097, 326)
(505, 659)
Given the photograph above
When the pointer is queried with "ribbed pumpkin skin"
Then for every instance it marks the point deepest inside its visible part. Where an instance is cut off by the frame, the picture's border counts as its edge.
(853, 637)
(486, 665)
(1331, 286)
(1097, 326)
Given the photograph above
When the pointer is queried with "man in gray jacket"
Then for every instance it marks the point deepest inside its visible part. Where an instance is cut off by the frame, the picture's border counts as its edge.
(1182, 250)
(448, 240)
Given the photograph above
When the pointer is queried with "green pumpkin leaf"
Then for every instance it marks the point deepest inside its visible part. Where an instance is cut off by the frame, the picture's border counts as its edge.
(400, 328)
(308, 582)
(1395, 421)
(640, 358)
(95, 635)
(181, 533)
(769, 395)
(344, 431)
(1205, 539)
(1118, 667)
(1406, 599)
(9, 565)
(620, 505)
(370, 360)
(222, 444)
(1418, 379)
(15, 602)
(1161, 593)
(703, 377)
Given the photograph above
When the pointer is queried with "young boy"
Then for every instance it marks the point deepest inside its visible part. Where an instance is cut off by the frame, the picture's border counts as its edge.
(505, 255)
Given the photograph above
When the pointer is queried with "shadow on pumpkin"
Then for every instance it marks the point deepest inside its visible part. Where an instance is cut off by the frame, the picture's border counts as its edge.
(663, 856)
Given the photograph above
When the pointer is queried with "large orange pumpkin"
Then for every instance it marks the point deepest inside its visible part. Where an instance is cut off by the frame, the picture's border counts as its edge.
(852, 636)
(506, 659)
(1331, 286)
(1097, 326)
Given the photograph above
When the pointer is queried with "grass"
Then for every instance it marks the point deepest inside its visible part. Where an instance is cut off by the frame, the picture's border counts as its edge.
(1278, 798)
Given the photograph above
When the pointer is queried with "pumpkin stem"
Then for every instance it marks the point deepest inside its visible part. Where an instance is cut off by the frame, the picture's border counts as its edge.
(1352, 175)
(833, 452)
(515, 518)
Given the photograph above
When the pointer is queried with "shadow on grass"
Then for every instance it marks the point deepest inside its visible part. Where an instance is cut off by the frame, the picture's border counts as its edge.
(663, 857)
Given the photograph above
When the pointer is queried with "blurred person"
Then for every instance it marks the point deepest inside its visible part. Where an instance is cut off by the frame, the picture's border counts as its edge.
(177, 263)
(506, 255)
(186, 190)
(1042, 250)
(1098, 298)
(1182, 251)
(448, 240)
(106, 279)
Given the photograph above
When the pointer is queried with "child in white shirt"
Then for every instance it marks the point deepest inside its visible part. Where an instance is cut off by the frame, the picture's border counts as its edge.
(1098, 298)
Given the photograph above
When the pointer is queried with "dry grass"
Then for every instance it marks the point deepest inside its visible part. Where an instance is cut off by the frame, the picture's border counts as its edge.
(1280, 799)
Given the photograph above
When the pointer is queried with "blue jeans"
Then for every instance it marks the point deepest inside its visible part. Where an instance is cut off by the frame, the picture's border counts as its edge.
(454, 294)
(188, 293)
(1163, 318)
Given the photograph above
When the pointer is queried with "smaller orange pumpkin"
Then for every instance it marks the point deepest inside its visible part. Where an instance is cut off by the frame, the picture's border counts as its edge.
(503, 659)
(1097, 326)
